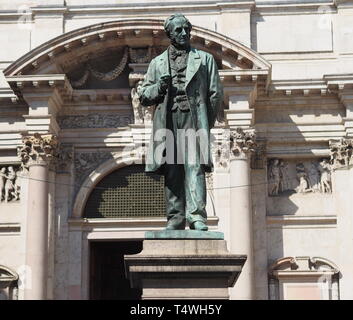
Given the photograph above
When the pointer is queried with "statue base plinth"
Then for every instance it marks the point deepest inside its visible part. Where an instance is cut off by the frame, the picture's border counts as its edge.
(184, 234)
(184, 268)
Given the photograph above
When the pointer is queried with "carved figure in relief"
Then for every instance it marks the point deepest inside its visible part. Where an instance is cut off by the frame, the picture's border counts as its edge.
(83, 162)
(148, 115)
(314, 177)
(141, 114)
(222, 155)
(325, 179)
(10, 185)
(284, 174)
(335, 157)
(274, 176)
(302, 177)
(2, 182)
(344, 155)
(136, 104)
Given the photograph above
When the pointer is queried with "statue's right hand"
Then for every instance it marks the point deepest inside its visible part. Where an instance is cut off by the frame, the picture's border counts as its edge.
(164, 82)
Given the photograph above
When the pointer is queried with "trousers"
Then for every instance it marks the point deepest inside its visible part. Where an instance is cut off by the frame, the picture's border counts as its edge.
(185, 184)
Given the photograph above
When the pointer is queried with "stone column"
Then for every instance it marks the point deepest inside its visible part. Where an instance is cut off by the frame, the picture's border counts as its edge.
(36, 154)
(342, 186)
(63, 201)
(241, 234)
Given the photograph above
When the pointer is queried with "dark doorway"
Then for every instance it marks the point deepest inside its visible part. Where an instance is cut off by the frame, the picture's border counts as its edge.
(107, 270)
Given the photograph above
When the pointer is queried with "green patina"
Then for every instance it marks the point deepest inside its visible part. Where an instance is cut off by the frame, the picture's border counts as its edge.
(184, 86)
(184, 234)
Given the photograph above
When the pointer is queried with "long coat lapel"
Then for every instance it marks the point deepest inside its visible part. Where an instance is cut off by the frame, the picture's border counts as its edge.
(194, 62)
(164, 63)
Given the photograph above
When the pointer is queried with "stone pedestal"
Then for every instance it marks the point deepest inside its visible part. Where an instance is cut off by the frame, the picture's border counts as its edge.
(183, 266)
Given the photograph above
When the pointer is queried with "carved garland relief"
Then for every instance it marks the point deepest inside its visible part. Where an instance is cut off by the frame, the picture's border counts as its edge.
(137, 56)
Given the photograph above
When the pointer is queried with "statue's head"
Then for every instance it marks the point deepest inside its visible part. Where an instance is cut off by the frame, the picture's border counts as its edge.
(178, 29)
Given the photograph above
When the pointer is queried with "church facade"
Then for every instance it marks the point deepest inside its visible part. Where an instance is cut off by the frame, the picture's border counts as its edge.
(74, 197)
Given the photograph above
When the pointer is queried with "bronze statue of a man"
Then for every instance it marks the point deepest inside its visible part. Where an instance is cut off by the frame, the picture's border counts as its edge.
(184, 85)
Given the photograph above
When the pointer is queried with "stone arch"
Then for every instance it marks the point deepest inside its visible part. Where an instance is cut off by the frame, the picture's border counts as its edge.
(8, 283)
(118, 161)
(55, 56)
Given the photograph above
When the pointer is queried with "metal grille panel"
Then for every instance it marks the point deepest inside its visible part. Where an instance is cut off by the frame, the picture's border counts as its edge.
(126, 193)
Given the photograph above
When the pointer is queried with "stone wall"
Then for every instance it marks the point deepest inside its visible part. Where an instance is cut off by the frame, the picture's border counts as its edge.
(293, 103)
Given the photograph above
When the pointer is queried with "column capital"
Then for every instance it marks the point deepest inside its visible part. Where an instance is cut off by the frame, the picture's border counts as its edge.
(38, 149)
(341, 153)
(242, 143)
(230, 145)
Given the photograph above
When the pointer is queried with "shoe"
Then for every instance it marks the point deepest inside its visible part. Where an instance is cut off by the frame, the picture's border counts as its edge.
(173, 226)
(198, 225)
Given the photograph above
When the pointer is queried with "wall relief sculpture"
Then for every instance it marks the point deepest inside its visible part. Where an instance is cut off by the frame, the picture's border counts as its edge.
(325, 176)
(137, 56)
(141, 114)
(299, 177)
(10, 184)
(86, 162)
(302, 178)
(64, 159)
(95, 121)
(274, 178)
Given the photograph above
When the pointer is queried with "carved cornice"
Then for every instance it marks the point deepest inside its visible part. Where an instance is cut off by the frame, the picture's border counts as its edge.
(38, 149)
(339, 82)
(40, 87)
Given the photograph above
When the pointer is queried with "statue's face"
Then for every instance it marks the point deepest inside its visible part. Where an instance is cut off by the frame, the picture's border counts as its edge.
(179, 33)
